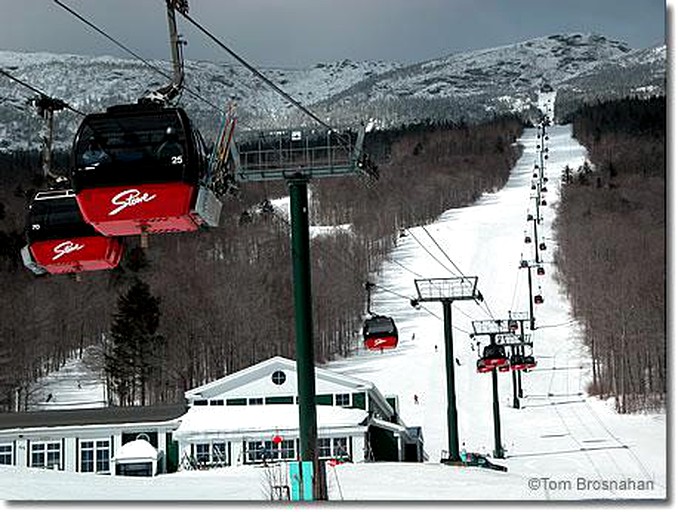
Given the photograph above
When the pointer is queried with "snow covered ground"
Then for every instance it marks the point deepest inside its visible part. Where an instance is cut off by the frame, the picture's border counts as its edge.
(560, 445)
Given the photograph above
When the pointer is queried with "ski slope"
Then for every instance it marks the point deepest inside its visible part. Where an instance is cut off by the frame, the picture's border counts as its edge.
(560, 445)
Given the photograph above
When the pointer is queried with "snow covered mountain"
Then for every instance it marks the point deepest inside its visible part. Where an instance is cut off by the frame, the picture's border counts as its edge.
(470, 85)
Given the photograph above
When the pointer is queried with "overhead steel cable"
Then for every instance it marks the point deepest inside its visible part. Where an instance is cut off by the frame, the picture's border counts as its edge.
(339, 259)
(136, 55)
(40, 93)
(461, 274)
(429, 252)
(442, 251)
(257, 73)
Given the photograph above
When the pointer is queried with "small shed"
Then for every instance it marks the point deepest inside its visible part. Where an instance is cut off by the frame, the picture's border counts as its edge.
(137, 458)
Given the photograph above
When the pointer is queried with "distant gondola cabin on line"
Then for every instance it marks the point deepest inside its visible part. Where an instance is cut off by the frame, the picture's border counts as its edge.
(138, 169)
(379, 333)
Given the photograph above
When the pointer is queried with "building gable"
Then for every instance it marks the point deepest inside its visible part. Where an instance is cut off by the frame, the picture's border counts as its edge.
(275, 377)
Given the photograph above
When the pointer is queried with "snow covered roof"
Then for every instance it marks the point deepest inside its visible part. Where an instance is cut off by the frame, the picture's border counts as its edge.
(136, 450)
(263, 418)
(98, 416)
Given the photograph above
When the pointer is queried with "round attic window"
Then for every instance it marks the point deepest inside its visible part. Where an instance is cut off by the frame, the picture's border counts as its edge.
(278, 377)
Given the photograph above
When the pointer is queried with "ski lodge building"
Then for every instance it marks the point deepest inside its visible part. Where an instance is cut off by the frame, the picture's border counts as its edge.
(248, 417)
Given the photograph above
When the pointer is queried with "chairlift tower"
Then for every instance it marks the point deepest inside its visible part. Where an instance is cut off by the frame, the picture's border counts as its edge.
(493, 329)
(297, 157)
(519, 317)
(528, 265)
(446, 291)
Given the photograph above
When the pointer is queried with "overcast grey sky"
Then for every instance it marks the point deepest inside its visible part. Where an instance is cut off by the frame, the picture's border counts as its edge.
(299, 33)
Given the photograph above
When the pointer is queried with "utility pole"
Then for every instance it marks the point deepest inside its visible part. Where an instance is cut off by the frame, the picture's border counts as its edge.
(283, 157)
(446, 291)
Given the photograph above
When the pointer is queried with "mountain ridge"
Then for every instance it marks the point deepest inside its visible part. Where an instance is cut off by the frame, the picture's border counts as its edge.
(470, 85)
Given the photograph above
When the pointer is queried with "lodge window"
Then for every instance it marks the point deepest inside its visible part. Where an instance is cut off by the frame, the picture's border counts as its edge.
(258, 451)
(340, 447)
(325, 447)
(6, 454)
(46, 455)
(217, 402)
(278, 377)
(342, 400)
(279, 400)
(255, 451)
(202, 453)
(95, 456)
(213, 454)
(256, 401)
(336, 447)
(199, 402)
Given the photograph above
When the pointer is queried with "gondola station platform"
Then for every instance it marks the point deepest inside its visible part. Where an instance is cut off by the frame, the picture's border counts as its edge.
(248, 417)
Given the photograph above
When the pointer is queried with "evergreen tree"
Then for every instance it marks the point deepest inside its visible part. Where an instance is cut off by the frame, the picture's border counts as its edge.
(134, 359)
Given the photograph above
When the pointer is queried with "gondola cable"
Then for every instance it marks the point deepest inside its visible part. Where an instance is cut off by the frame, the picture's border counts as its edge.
(255, 71)
(484, 301)
(136, 55)
(40, 93)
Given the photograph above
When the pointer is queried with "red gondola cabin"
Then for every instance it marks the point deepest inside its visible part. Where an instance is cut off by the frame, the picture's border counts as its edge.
(494, 356)
(138, 168)
(61, 242)
(380, 333)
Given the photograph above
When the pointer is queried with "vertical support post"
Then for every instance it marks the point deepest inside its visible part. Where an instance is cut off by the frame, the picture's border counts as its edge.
(303, 319)
(529, 285)
(452, 428)
(498, 450)
(514, 378)
(522, 353)
(536, 245)
(47, 146)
